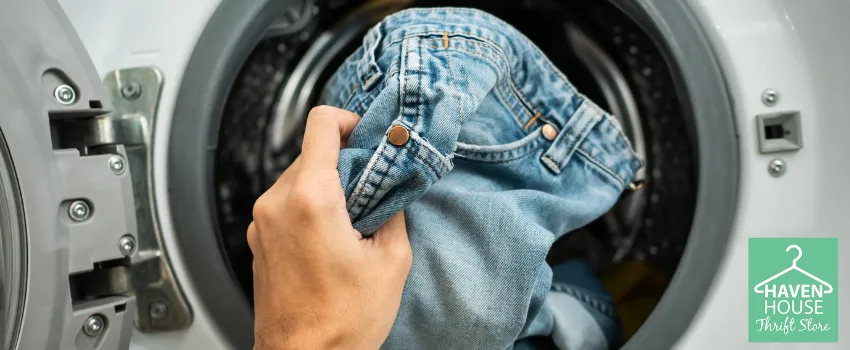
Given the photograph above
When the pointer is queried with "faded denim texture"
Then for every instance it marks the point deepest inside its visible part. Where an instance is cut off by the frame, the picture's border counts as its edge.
(484, 192)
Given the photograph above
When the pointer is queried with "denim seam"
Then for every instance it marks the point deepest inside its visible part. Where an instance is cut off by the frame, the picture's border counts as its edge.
(438, 172)
(361, 104)
(361, 183)
(599, 164)
(376, 179)
(621, 138)
(501, 157)
(512, 85)
(585, 297)
(418, 123)
(496, 49)
(440, 161)
(572, 147)
(546, 159)
(372, 77)
(518, 116)
(495, 160)
(584, 130)
(476, 40)
(578, 137)
(380, 179)
(516, 109)
(348, 99)
(508, 81)
(499, 87)
(532, 138)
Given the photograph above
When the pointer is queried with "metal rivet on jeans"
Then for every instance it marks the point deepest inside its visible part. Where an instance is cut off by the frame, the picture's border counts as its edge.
(636, 185)
(550, 132)
(398, 135)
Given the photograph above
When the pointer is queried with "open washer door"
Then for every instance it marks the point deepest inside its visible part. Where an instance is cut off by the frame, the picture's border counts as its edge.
(77, 242)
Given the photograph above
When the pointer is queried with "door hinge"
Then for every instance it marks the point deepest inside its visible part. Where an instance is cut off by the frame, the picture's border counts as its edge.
(119, 144)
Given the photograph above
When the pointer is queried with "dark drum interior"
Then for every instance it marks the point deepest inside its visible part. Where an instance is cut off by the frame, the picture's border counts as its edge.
(603, 52)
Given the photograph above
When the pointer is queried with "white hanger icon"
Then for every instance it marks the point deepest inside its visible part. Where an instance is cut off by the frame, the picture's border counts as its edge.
(793, 267)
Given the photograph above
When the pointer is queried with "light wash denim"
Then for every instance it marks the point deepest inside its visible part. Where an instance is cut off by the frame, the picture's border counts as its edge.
(485, 192)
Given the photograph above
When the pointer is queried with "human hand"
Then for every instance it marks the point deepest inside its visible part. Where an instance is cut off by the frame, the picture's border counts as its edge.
(318, 284)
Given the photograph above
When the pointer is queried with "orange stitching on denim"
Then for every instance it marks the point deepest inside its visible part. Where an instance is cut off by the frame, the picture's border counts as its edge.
(445, 40)
(476, 40)
(530, 121)
(581, 135)
(484, 44)
(522, 99)
(512, 89)
(491, 46)
(548, 161)
(512, 107)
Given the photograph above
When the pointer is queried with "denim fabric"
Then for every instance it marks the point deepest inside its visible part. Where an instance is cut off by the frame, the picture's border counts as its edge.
(484, 192)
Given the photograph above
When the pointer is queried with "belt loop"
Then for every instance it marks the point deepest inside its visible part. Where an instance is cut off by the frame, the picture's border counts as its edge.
(368, 68)
(570, 137)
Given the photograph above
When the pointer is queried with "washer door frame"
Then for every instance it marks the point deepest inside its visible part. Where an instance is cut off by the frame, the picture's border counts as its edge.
(237, 26)
(65, 207)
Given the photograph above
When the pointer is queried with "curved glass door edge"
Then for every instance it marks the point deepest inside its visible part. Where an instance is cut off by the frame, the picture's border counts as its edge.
(12, 250)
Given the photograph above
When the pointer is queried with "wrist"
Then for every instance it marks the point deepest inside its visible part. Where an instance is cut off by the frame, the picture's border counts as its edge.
(307, 338)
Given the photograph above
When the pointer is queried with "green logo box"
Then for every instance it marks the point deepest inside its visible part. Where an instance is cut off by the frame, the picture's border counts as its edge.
(793, 284)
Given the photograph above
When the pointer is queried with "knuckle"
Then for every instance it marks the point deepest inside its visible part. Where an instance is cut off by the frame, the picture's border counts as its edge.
(402, 254)
(252, 236)
(264, 208)
(323, 112)
(306, 201)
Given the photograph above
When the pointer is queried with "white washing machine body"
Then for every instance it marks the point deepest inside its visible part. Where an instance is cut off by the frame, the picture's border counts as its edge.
(794, 48)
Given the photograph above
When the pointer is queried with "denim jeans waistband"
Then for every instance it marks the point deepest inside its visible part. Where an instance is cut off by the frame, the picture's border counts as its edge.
(538, 93)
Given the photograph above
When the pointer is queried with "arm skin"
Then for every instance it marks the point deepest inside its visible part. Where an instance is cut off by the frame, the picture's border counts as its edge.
(318, 284)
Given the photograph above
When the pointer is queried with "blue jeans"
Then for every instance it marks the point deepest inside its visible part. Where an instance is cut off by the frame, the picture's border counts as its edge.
(492, 154)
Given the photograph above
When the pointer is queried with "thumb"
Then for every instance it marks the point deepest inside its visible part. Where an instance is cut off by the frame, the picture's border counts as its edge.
(392, 240)
(347, 121)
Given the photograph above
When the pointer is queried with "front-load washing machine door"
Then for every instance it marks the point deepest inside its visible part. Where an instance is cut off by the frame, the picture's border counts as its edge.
(75, 224)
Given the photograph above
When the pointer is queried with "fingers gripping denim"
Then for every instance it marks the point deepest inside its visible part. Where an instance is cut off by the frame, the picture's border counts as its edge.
(503, 156)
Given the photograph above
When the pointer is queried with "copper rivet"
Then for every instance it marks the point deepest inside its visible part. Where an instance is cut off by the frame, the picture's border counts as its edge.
(549, 132)
(636, 185)
(398, 135)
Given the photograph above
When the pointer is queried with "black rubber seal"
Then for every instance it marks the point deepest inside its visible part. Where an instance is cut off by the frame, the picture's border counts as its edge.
(231, 34)
(698, 76)
(237, 26)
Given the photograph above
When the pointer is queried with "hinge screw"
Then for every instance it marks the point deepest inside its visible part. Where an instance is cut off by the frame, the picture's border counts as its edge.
(127, 245)
(94, 325)
(776, 167)
(116, 164)
(770, 97)
(158, 310)
(131, 90)
(65, 94)
(79, 210)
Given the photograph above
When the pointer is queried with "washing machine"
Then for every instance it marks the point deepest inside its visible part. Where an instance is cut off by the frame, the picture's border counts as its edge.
(135, 136)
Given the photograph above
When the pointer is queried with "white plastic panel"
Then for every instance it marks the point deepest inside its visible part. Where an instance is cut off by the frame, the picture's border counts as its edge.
(796, 47)
(161, 33)
(800, 49)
